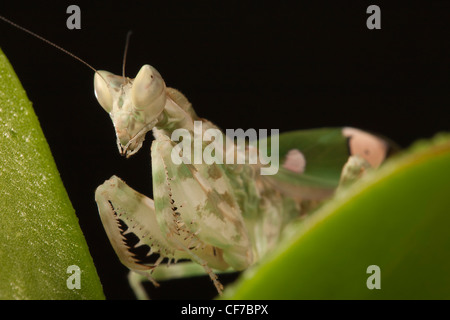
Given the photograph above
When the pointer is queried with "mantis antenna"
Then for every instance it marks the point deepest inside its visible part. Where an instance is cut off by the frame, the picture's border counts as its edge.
(127, 43)
(54, 45)
(47, 41)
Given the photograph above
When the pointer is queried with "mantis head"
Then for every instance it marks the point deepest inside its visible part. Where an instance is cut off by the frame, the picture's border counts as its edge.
(134, 105)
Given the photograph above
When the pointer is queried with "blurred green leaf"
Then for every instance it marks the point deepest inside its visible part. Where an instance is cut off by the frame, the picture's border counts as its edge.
(397, 218)
(39, 232)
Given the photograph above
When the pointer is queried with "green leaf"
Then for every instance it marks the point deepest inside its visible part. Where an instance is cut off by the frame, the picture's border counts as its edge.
(39, 232)
(397, 218)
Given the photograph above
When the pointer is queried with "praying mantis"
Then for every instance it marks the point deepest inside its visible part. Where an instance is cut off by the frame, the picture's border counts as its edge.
(219, 216)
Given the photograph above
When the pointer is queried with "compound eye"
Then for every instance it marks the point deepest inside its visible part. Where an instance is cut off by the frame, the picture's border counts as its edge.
(102, 90)
(149, 91)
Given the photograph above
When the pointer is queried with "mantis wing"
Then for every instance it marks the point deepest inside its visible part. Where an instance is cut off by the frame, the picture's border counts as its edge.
(324, 152)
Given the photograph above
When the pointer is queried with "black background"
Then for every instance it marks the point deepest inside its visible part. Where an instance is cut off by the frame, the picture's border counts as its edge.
(243, 65)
